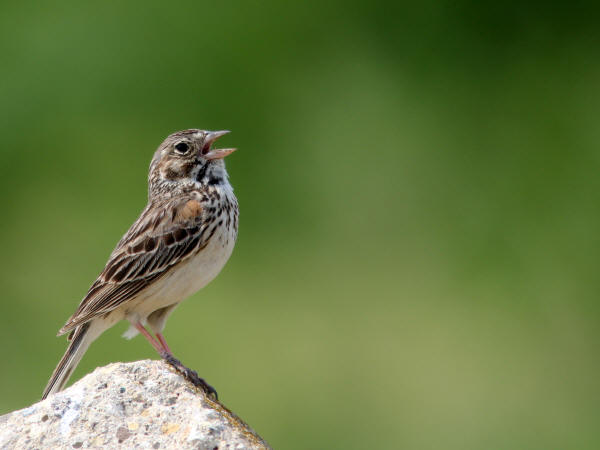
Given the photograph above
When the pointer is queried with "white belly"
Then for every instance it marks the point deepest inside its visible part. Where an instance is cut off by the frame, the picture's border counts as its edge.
(192, 275)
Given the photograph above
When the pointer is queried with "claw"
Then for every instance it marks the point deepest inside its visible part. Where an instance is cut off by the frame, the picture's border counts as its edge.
(191, 376)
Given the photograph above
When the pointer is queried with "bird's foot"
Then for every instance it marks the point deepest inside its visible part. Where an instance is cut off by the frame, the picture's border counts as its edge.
(190, 375)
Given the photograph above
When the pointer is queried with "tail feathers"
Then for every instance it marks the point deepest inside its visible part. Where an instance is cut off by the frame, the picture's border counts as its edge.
(80, 340)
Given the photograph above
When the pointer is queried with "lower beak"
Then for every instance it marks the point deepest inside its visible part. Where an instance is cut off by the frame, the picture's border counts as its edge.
(217, 153)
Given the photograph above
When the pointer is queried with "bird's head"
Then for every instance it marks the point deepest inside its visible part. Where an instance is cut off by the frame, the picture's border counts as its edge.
(187, 158)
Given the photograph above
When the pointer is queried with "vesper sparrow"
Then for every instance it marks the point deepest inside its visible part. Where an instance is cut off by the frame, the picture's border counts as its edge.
(180, 242)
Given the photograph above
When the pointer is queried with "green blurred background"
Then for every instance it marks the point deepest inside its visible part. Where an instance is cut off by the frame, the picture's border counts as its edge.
(417, 264)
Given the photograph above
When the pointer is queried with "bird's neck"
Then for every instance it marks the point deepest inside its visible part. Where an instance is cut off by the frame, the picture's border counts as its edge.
(205, 177)
(211, 173)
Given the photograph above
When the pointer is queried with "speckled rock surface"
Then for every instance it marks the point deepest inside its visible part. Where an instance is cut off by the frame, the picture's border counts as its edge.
(144, 404)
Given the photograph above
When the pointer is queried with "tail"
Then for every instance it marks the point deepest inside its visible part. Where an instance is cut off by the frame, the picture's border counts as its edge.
(80, 340)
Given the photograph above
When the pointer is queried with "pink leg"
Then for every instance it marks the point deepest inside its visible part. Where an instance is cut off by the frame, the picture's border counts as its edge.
(163, 349)
(157, 345)
(163, 342)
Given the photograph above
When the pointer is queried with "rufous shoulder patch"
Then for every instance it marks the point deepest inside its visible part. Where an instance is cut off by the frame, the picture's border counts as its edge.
(190, 210)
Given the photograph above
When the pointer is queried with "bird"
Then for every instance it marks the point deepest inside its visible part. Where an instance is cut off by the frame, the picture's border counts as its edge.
(179, 243)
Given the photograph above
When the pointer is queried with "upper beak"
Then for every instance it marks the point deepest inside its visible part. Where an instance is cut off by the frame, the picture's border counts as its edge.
(217, 153)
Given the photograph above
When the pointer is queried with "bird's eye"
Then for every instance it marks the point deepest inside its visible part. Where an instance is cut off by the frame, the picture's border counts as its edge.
(182, 148)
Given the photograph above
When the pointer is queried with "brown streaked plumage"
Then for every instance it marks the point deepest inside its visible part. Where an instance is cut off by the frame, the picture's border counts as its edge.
(179, 243)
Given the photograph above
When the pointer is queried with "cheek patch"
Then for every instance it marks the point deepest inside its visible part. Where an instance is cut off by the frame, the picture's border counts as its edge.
(170, 174)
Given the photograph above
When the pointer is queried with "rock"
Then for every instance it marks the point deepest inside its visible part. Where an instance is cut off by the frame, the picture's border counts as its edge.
(144, 404)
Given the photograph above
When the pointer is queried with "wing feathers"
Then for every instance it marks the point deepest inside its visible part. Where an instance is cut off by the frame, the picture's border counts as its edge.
(163, 236)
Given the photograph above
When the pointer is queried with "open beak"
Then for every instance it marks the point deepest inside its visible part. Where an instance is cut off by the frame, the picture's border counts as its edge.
(215, 153)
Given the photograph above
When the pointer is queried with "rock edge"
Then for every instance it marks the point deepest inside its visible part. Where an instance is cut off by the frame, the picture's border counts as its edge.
(143, 404)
